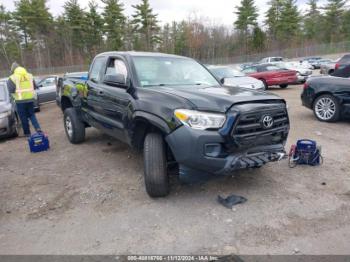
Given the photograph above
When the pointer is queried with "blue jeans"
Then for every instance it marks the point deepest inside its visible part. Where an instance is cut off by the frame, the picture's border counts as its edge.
(26, 112)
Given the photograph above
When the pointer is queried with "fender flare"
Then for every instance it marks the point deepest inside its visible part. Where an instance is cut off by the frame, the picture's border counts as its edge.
(154, 120)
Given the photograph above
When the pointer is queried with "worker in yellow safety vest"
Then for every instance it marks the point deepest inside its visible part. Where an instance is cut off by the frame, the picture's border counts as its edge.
(21, 85)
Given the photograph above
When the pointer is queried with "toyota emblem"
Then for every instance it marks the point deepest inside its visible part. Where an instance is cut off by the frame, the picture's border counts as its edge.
(267, 121)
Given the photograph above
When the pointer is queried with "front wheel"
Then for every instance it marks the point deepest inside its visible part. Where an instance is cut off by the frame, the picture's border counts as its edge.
(327, 108)
(15, 127)
(155, 166)
(265, 84)
(74, 127)
(284, 86)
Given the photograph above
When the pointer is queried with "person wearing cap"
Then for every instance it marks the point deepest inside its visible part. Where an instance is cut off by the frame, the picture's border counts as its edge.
(21, 85)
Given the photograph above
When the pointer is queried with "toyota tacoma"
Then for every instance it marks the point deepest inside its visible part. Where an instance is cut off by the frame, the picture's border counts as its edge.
(178, 113)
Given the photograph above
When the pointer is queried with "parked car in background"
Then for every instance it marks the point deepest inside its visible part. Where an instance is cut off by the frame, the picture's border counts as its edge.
(68, 79)
(328, 97)
(244, 66)
(36, 102)
(231, 77)
(328, 68)
(302, 72)
(271, 60)
(8, 116)
(314, 61)
(46, 89)
(272, 75)
(342, 67)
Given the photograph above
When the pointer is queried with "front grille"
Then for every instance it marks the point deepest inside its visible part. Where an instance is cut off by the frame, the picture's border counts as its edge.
(250, 129)
(252, 123)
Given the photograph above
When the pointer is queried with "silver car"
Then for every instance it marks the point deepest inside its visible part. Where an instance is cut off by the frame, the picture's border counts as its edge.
(8, 116)
(46, 89)
(231, 77)
(36, 102)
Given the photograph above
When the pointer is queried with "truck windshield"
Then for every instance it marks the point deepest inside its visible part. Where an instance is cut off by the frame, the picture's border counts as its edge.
(169, 71)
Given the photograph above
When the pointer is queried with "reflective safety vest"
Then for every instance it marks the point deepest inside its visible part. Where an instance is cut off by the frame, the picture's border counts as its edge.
(24, 84)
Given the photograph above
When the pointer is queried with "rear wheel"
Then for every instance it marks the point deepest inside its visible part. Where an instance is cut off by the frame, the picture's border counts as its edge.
(74, 127)
(327, 108)
(284, 86)
(155, 166)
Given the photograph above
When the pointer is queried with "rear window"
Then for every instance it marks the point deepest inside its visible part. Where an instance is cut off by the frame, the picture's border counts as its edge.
(345, 59)
(276, 59)
(270, 68)
(250, 70)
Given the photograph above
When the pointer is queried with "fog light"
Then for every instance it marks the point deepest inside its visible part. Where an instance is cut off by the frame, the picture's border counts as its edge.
(212, 150)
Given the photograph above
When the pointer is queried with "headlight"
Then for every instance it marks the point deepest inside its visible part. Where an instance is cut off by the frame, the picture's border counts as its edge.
(5, 114)
(200, 120)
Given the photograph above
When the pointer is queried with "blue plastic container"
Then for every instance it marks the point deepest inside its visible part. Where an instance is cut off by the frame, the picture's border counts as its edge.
(38, 142)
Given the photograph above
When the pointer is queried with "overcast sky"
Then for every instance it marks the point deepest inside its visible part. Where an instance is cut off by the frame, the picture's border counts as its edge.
(220, 11)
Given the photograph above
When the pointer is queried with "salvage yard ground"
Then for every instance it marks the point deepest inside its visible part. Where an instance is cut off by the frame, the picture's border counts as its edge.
(90, 199)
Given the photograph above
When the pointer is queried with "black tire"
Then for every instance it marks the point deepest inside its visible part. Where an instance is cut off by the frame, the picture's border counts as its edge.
(15, 127)
(73, 126)
(265, 84)
(155, 166)
(283, 86)
(336, 107)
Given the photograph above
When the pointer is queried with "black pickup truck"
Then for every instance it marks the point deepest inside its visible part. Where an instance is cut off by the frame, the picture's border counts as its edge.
(178, 113)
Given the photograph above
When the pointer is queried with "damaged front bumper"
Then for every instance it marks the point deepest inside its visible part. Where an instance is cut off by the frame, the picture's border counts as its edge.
(206, 152)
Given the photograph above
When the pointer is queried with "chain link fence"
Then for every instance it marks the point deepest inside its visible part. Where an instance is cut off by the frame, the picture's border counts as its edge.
(293, 53)
(51, 70)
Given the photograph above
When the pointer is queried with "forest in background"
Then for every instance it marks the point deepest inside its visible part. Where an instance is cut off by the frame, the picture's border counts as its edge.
(32, 36)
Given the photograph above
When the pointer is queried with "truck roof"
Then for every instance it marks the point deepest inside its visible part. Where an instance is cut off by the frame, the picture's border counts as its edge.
(135, 54)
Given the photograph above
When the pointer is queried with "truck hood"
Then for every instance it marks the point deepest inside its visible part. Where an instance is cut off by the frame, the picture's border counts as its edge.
(218, 98)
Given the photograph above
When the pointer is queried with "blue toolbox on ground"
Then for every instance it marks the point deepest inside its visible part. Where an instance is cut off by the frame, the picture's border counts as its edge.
(305, 152)
(38, 142)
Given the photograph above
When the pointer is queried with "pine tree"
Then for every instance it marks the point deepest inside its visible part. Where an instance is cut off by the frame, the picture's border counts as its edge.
(258, 40)
(247, 16)
(146, 24)
(94, 29)
(289, 23)
(312, 21)
(273, 17)
(333, 15)
(75, 19)
(114, 21)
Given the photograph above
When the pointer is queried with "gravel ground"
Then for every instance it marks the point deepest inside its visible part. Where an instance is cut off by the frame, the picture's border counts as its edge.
(90, 199)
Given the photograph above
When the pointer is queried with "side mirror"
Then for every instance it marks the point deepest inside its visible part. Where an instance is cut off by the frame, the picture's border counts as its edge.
(222, 80)
(115, 80)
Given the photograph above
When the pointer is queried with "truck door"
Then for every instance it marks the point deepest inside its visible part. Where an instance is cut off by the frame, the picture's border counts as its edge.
(115, 98)
(93, 99)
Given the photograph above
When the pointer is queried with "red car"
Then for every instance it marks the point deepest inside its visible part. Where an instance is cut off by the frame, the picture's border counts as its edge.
(272, 75)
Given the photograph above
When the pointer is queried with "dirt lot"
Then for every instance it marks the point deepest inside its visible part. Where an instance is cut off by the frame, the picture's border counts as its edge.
(90, 199)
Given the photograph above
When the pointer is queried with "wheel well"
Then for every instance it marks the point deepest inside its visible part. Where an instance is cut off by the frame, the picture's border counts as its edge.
(321, 94)
(65, 103)
(140, 128)
(331, 71)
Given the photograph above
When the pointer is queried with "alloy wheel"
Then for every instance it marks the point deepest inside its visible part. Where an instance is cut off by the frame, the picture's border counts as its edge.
(325, 108)
(69, 127)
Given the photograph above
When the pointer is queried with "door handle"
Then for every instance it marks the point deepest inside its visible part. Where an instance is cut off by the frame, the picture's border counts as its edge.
(100, 92)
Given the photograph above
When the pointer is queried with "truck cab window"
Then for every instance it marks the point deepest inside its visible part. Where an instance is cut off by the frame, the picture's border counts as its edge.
(96, 69)
(115, 67)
